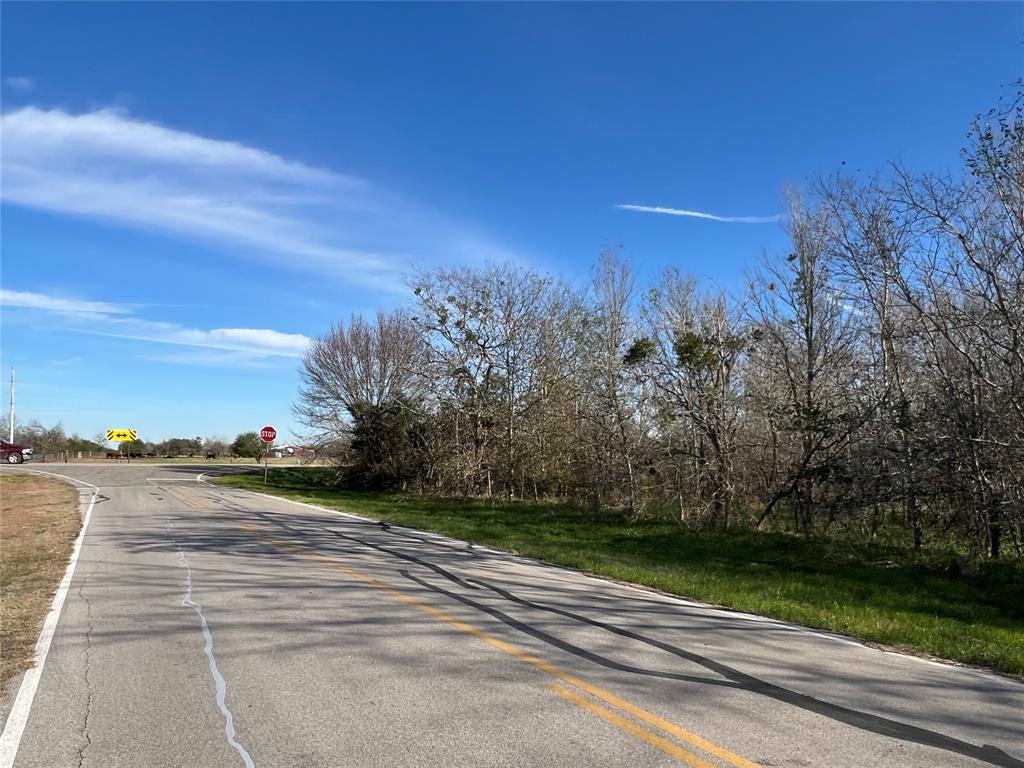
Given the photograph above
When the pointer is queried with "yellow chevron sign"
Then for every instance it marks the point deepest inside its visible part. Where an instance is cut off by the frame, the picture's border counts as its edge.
(122, 435)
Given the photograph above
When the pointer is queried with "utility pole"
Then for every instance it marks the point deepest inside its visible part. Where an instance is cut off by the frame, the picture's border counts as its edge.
(11, 437)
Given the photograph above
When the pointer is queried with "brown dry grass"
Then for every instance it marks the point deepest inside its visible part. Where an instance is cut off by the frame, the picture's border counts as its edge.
(39, 521)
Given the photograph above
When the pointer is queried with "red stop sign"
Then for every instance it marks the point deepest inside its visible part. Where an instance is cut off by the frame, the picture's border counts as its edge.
(268, 434)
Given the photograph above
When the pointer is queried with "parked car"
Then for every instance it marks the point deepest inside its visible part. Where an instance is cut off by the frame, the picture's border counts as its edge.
(13, 453)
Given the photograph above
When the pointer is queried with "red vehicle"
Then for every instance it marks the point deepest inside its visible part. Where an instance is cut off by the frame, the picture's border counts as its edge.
(13, 453)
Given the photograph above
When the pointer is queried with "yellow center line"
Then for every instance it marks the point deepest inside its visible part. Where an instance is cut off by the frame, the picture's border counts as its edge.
(512, 650)
(629, 726)
(550, 669)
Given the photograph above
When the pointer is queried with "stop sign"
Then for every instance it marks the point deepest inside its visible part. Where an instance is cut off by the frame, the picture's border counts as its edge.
(268, 434)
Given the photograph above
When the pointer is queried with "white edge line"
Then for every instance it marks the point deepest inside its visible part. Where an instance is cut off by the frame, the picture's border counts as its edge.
(10, 740)
(988, 676)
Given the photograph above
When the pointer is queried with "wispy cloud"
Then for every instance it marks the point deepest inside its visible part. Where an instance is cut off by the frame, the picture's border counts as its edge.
(211, 358)
(56, 135)
(22, 84)
(111, 166)
(29, 300)
(701, 214)
(105, 319)
(259, 341)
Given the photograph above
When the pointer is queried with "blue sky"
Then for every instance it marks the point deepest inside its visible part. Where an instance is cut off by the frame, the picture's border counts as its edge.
(190, 191)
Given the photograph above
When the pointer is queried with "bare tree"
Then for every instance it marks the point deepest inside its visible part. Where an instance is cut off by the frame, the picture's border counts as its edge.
(363, 363)
(616, 402)
(872, 243)
(806, 359)
(965, 287)
(697, 343)
(456, 318)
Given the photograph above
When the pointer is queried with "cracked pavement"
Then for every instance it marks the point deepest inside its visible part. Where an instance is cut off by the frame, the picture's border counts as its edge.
(90, 692)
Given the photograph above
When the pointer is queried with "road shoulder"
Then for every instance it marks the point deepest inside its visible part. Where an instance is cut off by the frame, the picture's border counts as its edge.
(45, 518)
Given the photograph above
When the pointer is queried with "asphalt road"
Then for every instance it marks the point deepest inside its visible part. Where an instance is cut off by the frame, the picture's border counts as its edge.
(208, 626)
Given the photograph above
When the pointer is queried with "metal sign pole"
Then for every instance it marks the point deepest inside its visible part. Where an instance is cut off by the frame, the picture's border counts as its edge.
(11, 425)
(267, 435)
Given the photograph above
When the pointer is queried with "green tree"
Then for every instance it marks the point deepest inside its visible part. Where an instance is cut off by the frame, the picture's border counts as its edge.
(248, 445)
(385, 442)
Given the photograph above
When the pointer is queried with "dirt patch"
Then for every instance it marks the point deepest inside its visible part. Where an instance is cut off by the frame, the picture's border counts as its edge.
(39, 520)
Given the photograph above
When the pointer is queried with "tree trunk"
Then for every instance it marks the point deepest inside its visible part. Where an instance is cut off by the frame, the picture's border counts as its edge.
(912, 509)
(511, 456)
(995, 531)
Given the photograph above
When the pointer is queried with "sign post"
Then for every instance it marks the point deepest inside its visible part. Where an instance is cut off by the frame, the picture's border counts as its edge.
(268, 434)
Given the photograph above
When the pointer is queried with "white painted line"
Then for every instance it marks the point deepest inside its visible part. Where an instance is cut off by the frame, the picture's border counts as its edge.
(10, 740)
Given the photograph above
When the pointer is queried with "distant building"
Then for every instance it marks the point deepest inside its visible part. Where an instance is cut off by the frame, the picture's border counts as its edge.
(291, 451)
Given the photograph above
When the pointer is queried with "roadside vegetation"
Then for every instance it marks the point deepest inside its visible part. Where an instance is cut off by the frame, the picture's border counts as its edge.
(40, 520)
(867, 383)
(878, 593)
(839, 442)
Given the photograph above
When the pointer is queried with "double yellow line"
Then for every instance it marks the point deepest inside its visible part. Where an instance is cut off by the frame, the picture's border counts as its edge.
(570, 681)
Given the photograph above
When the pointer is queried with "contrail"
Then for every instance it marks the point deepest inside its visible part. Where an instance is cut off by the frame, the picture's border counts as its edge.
(701, 214)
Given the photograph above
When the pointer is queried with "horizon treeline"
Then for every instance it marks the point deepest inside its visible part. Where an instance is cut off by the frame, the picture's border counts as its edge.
(53, 442)
(869, 379)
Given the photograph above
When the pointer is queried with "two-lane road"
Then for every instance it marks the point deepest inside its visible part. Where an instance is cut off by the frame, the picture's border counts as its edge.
(207, 626)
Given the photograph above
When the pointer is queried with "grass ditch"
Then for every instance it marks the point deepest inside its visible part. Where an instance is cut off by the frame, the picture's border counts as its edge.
(39, 521)
(917, 607)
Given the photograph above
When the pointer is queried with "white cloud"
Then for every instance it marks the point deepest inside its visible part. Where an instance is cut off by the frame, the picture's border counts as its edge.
(29, 300)
(261, 341)
(55, 134)
(23, 84)
(108, 165)
(701, 214)
(104, 319)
